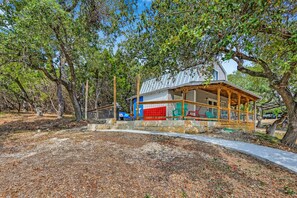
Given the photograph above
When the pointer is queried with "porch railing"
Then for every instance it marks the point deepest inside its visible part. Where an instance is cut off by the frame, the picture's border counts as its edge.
(189, 110)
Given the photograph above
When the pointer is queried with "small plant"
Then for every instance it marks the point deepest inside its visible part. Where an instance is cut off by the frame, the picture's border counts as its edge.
(184, 194)
(289, 191)
(147, 196)
(268, 138)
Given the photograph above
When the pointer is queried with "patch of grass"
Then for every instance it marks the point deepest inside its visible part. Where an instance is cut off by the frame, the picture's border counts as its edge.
(289, 191)
(184, 194)
(265, 137)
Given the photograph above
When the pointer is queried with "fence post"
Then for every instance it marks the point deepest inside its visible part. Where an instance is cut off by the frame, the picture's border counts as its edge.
(86, 100)
(138, 95)
(115, 98)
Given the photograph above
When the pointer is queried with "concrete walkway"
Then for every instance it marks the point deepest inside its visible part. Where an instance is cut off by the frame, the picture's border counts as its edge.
(285, 159)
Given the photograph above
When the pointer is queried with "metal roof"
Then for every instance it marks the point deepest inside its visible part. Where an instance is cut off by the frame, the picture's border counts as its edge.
(167, 81)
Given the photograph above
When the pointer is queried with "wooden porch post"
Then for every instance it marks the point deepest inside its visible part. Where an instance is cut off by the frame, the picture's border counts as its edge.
(137, 99)
(195, 99)
(219, 104)
(229, 105)
(247, 110)
(115, 98)
(184, 95)
(255, 112)
(238, 107)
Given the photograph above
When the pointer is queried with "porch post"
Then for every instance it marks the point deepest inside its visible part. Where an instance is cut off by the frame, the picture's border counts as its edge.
(255, 112)
(195, 99)
(137, 99)
(238, 107)
(229, 105)
(247, 110)
(184, 95)
(219, 104)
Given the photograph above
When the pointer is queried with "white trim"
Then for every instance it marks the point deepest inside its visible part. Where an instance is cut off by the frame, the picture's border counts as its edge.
(214, 76)
(223, 69)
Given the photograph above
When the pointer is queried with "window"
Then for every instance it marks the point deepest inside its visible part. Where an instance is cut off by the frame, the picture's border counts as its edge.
(215, 75)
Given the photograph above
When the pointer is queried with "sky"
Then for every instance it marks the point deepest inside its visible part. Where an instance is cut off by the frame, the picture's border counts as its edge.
(230, 66)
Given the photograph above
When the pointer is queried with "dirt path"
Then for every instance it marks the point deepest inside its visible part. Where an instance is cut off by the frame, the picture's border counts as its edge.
(90, 164)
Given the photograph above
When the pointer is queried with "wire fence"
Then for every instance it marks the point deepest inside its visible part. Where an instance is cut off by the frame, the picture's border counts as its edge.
(104, 112)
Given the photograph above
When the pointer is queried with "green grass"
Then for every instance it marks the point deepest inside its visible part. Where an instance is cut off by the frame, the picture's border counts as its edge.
(265, 137)
(289, 191)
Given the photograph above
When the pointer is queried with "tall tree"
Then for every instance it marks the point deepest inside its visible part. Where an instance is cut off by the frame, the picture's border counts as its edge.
(174, 35)
(52, 36)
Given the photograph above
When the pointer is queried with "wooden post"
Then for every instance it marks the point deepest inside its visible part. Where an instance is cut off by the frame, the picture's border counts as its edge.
(184, 95)
(86, 100)
(219, 103)
(247, 110)
(115, 98)
(138, 95)
(255, 112)
(195, 99)
(229, 105)
(238, 107)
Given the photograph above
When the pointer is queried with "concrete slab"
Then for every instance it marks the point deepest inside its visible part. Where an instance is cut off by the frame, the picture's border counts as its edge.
(282, 158)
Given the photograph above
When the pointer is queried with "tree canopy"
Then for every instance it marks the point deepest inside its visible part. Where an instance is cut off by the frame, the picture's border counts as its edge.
(175, 35)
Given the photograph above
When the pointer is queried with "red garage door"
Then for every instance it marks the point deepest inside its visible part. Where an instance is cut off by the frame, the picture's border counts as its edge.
(153, 113)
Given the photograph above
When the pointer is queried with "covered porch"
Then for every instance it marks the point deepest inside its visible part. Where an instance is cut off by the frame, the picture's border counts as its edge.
(220, 102)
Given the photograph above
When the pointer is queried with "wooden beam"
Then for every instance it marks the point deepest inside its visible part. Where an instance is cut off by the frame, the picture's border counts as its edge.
(195, 98)
(86, 100)
(219, 103)
(255, 112)
(184, 94)
(160, 102)
(229, 105)
(238, 106)
(115, 98)
(247, 110)
(137, 97)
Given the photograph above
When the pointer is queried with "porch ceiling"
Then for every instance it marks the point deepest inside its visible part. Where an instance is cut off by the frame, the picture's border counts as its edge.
(225, 88)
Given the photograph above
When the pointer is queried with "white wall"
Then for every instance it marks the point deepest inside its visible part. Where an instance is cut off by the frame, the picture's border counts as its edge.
(163, 95)
(202, 98)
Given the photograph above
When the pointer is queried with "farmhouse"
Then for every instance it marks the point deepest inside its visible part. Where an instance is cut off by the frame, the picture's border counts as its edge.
(188, 96)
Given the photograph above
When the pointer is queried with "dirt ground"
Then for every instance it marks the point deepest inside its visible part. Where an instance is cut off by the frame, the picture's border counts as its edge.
(74, 163)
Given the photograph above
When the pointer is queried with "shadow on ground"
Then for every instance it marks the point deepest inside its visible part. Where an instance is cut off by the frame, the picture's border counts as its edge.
(28, 122)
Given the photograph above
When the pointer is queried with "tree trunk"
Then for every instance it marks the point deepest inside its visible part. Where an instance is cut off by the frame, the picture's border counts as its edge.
(259, 119)
(75, 104)
(270, 130)
(61, 102)
(290, 137)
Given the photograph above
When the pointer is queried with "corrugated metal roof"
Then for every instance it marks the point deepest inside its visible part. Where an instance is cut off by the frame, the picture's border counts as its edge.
(167, 81)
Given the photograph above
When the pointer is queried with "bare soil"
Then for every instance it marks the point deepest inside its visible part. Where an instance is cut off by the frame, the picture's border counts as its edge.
(104, 164)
